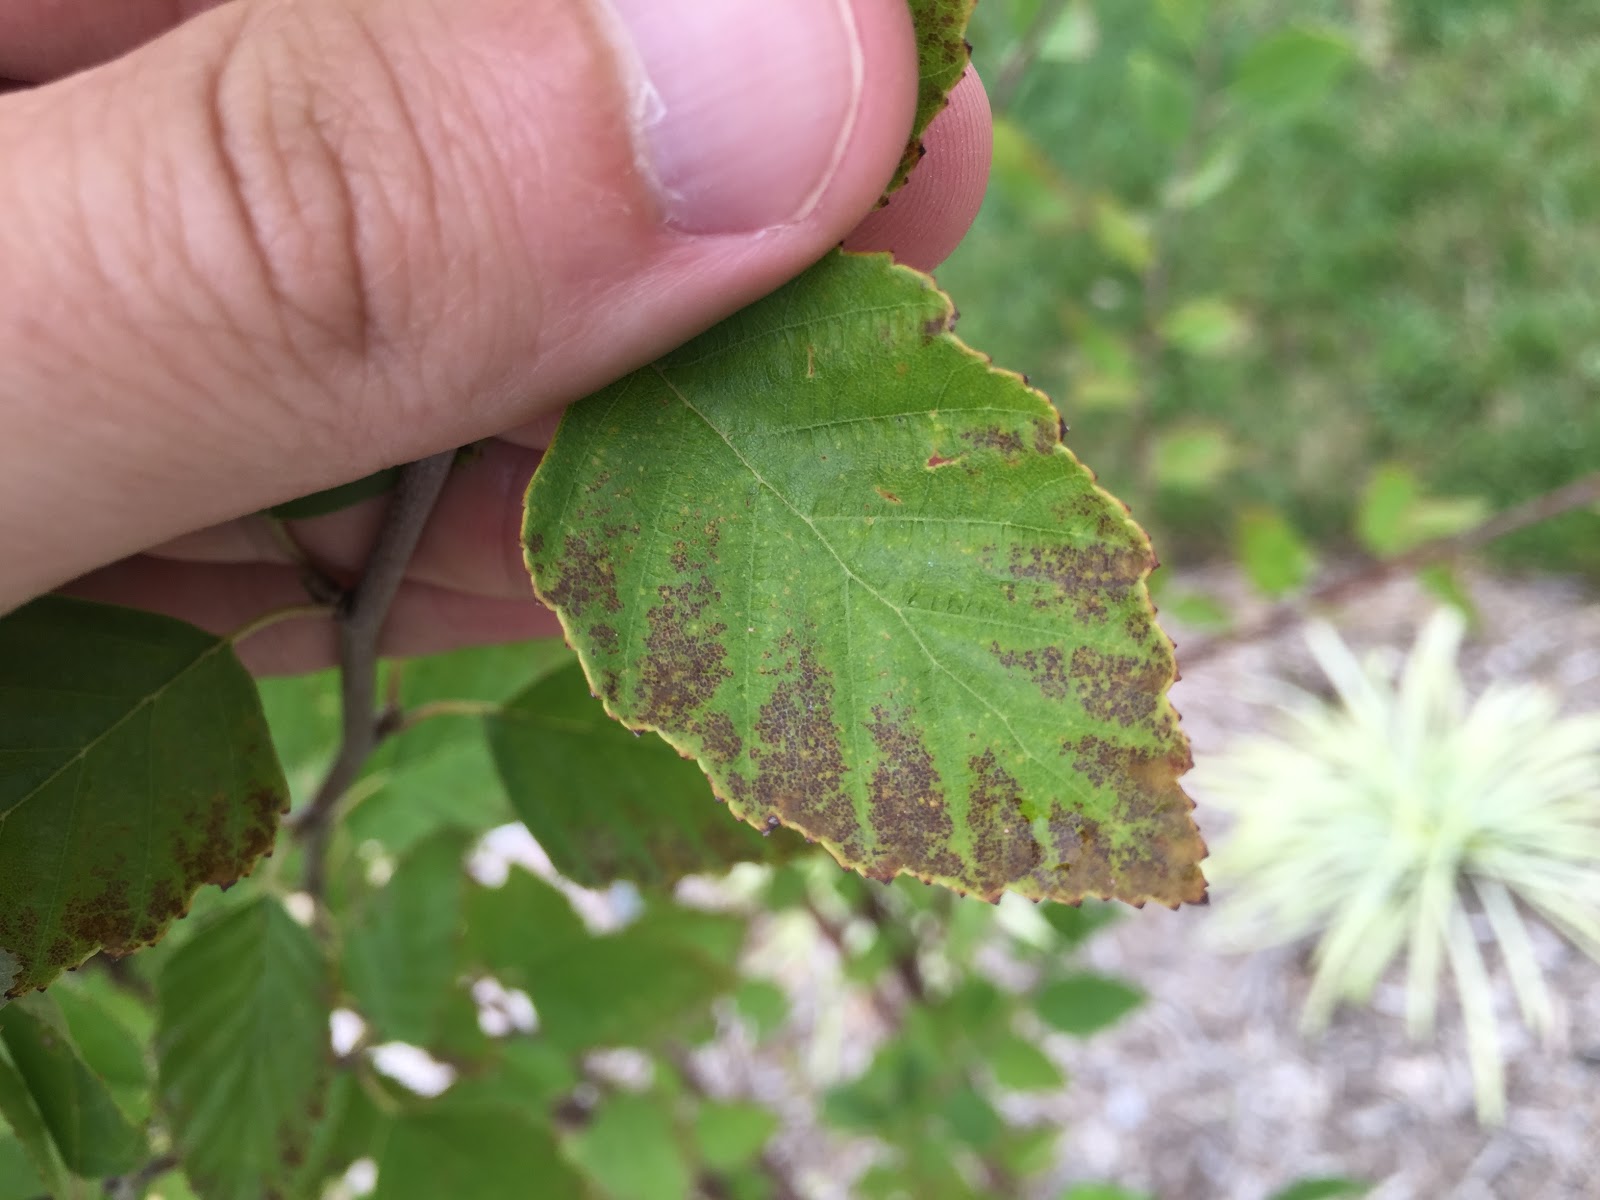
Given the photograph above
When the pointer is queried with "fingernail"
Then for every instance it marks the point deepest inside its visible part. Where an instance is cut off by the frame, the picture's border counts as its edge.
(742, 108)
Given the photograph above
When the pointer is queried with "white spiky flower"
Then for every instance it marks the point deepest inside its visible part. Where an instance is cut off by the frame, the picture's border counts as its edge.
(1385, 823)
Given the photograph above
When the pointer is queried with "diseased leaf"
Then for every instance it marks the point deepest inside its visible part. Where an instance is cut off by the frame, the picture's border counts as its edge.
(942, 56)
(876, 598)
(400, 945)
(135, 766)
(606, 804)
(90, 1132)
(466, 1151)
(242, 1049)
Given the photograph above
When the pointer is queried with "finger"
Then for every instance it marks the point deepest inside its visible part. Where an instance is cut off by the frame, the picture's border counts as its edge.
(224, 599)
(46, 39)
(472, 542)
(925, 221)
(292, 242)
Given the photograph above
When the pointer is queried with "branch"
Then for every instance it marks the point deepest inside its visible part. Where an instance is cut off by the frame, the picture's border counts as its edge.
(361, 616)
(1583, 492)
(130, 1187)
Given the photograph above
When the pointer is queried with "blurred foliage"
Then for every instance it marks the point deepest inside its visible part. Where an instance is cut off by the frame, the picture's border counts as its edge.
(1260, 248)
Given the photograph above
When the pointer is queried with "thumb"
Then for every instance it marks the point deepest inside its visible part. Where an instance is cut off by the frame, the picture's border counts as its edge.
(293, 241)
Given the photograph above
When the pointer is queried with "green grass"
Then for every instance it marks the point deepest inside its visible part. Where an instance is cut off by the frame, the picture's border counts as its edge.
(1415, 254)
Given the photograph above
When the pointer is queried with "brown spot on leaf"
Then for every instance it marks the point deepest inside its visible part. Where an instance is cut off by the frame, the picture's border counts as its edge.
(937, 460)
(1005, 441)
(1084, 577)
(1003, 845)
(686, 661)
(1047, 667)
(587, 578)
(1118, 687)
(723, 744)
(909, 813)
(536, 544)
(605, 637)
(800, 766)
(888, 495)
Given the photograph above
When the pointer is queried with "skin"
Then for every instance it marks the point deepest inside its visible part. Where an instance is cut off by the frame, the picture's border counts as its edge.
(179, 346)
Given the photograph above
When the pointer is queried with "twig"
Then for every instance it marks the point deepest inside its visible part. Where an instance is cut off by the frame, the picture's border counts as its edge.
(360, 620)
(130, 1187)
(1582, 492)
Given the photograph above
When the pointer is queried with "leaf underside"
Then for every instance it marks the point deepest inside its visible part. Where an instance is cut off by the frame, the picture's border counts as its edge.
(833, 555)
(135, 766)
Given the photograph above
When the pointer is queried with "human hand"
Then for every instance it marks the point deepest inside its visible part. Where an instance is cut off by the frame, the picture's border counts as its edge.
(286, 243)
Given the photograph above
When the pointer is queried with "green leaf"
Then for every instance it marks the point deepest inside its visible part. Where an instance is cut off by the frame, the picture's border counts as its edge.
(730, 1135)
(1075, 35)
(108, 1048)
(348, 1128)
(624, 990)
(631, 1150)
(1193, 458)
(400, 945)
(1020, 1066)
(467, 1151)
(89, 1130)
(1292, 71)
(32, 1145)
(1083, 1004)
(1076, 924)
(1273, 554)
(874, 596)
(1396, 515)
(764, 1004)
(1322, 1189)
(1187, 19)
(513, 929)
(242, 1050)
(606, 804)
(1207, 328)
(942, 56)
(1163, 98)
(334, 499)
(1101, 1191)
(135, 766)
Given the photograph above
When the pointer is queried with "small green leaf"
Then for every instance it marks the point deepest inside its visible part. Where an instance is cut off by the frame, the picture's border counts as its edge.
(1208, 327)
(1447, 587)
(400, 945)
(1124, 235)
(1083, 1004)
(32, 1145)
(1208, 180)
(1396, 515)
(874, 596)
(1101, 1191)
(1193, 458)
(764, 1004)
(1075, 35)
(631, 1150)
(334, 499)
(1187, 19)
(1292, 71)
(1020, 1066)
(1163, 98)
(90, 1132)
(1076, 924)
(972, 1118)
(1273, 554)
(120, 729)
(242, 1049)
(461, 1151)
(1322, 1189)
(730, 1135)
(606, 804)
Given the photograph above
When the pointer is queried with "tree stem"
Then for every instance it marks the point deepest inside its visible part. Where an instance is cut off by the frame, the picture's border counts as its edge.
(1582, 492)
(360, 619)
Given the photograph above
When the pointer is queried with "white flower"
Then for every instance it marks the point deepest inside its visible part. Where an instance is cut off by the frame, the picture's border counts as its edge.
(1384, 823)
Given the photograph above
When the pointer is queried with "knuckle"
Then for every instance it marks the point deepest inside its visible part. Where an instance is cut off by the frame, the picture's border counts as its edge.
(326, 179)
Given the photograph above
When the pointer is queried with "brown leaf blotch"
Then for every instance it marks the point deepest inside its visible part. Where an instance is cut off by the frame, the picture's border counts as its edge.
(587, 578)
(1003, 844)
(910, 816)
(1118, 687)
